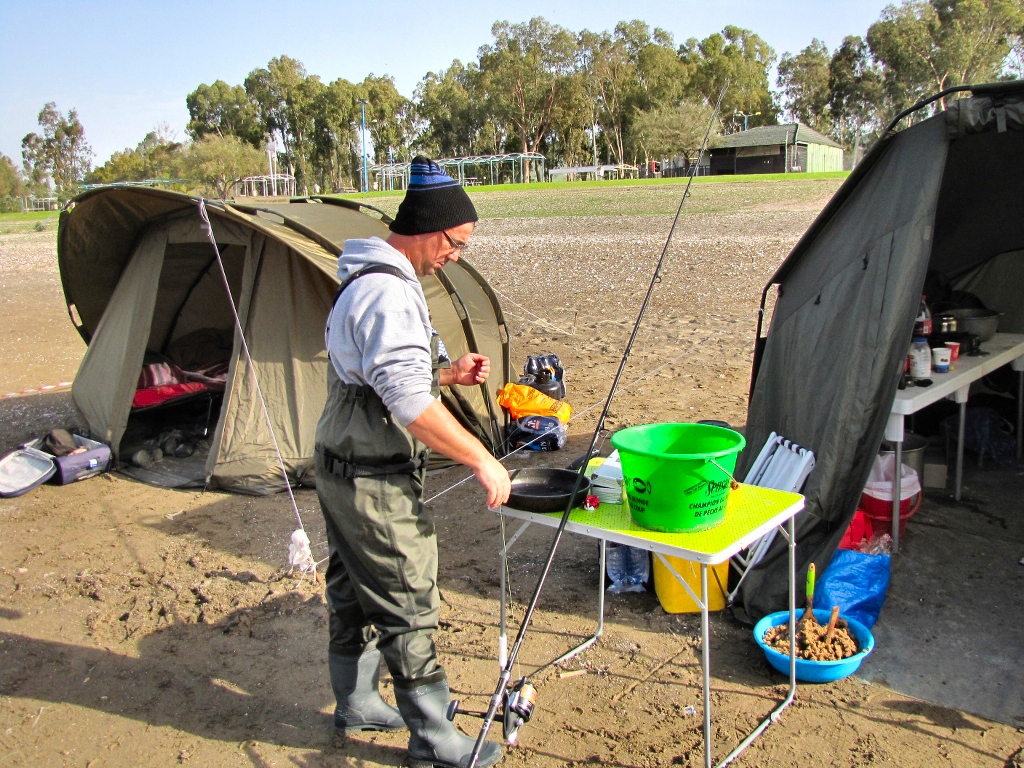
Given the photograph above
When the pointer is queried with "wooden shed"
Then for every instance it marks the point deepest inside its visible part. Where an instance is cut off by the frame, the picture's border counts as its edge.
(792, 148)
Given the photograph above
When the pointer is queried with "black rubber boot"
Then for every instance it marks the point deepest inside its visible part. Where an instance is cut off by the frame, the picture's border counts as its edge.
(360, 707)
(433, 739)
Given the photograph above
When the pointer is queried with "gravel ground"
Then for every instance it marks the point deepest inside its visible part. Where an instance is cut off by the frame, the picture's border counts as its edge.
(574, 287)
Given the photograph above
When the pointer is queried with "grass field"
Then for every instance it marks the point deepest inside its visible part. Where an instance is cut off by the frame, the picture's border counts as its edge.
(12, 223)
(715, 194)
(546, 185)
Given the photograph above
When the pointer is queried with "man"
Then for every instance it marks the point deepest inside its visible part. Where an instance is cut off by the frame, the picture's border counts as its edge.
(381, 419)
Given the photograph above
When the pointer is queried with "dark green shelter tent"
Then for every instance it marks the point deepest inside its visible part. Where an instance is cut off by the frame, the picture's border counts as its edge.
(943, 199)
(142, 283)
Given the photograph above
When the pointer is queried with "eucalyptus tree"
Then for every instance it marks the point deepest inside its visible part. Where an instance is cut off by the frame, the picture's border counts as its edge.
(612, 73)
(60, 155)
(281, 98)
(334, 138)
(740, 57)
(390, 118)
(804, 82)
(926, 46)
(855, 94)
(216, 162)
(450, 110)
(525, 71)
(569, 141)
(632, 70)
(12, 185)
(224, 110)
(157, 156)
(661, 76)
(674, 131)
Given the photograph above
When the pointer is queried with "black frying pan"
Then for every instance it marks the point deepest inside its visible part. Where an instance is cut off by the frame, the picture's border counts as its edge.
(545, 489)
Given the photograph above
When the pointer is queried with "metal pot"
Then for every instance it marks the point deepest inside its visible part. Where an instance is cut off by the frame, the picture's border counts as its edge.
(981, 322)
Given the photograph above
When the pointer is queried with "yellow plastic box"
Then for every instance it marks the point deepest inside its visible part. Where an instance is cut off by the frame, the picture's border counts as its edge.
(673, 596)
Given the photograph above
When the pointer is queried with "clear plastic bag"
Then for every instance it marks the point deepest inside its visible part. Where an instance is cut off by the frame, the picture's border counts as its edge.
(880, 481)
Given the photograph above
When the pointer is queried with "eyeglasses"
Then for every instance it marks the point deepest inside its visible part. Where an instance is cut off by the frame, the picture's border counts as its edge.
(460, 247)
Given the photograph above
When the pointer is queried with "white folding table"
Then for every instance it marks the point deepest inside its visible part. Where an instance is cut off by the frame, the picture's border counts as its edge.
(751, 512)
(1001, 349)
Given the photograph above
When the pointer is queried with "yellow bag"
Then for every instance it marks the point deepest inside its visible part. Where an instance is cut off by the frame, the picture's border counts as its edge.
(521, 400)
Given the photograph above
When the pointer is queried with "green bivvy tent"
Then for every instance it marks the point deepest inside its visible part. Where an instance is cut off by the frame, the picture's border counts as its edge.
(142, 283)
(942, 199)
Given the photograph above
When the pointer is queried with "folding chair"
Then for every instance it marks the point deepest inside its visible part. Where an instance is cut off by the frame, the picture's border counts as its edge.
(783, 466)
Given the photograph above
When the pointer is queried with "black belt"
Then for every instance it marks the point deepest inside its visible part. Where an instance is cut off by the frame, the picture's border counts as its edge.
(347, 470)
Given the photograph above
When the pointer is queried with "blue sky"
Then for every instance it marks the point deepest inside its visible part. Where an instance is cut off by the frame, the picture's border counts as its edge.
(127, 67)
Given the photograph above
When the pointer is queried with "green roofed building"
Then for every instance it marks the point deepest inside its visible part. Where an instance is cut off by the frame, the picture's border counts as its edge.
(792, 148)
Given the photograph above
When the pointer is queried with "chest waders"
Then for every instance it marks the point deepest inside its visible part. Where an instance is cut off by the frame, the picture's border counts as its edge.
(382, 572)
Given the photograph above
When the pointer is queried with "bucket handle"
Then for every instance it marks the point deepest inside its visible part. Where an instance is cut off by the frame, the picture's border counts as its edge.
(917, 506)
(735, 482)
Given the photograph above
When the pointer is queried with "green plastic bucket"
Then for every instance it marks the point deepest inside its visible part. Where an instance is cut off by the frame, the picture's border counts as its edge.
(671, 478)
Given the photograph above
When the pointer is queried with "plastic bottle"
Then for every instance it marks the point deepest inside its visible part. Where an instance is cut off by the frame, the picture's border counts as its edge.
(923, 323)
(627, 567)
(920, 358)
(639, 567)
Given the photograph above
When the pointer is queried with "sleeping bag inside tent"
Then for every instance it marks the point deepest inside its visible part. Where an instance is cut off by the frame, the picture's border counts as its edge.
(164, 366)
(937, 204)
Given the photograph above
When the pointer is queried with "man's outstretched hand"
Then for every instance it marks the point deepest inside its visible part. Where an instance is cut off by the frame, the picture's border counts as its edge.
(469, 370)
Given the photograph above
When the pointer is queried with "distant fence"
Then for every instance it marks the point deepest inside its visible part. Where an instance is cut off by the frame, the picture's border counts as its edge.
(663, 169)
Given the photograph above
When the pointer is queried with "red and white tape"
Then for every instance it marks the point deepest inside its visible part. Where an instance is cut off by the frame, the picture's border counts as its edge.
(38, 390)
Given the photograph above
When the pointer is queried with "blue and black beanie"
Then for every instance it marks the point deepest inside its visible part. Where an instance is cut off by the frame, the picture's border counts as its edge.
(433, 202)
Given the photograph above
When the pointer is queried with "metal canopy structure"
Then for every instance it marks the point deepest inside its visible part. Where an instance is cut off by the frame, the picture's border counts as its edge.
(514, 168)
(271, 185)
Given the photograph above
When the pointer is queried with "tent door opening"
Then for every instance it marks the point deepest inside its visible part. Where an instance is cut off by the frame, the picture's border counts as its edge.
(180, 391)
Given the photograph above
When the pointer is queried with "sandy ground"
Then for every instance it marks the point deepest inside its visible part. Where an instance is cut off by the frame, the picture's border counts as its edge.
(141, 626)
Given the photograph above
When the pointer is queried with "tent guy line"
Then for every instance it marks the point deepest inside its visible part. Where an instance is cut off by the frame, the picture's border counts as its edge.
(252, 369)
(537, 318)
(589, 408)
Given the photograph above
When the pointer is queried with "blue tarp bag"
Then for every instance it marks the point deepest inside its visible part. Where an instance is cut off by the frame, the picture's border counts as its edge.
(857, 583)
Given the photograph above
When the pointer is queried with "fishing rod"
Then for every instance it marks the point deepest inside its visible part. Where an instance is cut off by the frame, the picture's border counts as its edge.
(518, 702)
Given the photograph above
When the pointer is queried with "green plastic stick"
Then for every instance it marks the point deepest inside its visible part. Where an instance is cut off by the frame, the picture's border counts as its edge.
(810, 585)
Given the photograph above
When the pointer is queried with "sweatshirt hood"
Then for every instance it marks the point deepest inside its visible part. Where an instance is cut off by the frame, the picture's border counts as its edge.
(362, 253)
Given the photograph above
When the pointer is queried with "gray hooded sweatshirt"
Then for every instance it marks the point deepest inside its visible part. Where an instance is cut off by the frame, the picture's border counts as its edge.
(379, 331)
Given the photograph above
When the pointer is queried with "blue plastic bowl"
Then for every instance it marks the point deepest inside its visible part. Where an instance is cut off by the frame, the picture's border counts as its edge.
(815, 671)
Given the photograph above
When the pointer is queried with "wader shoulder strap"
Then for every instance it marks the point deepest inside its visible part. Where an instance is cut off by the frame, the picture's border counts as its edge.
(373, 269)
(348, 470)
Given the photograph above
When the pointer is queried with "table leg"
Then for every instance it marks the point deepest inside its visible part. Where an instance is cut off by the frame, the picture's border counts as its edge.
(894, 434)
(776, 714)
(503, 621)
(960, 451)
(1020, 414)
(705, 661)
(602, 547)
(792, 615)
(896, 492)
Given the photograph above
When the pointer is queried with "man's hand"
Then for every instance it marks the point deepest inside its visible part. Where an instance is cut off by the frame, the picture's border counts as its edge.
(469, 370)
(494, 479)
(439, 430)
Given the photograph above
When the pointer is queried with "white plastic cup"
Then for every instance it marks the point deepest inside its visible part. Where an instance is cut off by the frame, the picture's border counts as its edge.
(941, 357)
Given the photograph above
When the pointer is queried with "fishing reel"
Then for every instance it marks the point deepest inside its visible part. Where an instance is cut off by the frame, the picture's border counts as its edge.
(518, 703)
